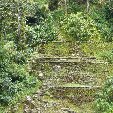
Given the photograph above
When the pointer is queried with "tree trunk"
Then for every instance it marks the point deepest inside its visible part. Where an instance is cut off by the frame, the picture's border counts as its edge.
(65, 1)
(87, 2)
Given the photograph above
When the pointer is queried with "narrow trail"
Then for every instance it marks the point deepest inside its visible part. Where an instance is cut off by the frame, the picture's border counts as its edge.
(70, 79)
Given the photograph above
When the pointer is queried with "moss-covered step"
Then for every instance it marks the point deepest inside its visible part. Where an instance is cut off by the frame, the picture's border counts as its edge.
(95, 66)
(80, 78)
(59, 48)
(70, 60)
(75, 92)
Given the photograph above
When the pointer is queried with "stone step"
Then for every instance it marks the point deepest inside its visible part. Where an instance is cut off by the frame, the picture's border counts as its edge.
(74, 42)
(56, 41)
(60, 43)
(75, 48)
(70, 60)
(78, 79)
(70, 41)
(75, 86)
(60, 48)
(75, 74)
(75, 92)
(67, 69)
(68, 57)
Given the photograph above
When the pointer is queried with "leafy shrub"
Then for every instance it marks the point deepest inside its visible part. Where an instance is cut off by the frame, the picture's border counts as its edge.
(58, 15)
(53, 4)
(74, 7)
(107, 55)
(38, 15)
(108, 9)
(102, 23)
(104, 102)
(45, 31)
(81, 27)
(14, 77)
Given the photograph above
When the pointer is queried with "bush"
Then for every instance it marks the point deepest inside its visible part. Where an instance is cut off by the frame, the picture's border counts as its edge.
(107, 55)
(37, 15)
(81, 27)
(58, 15)
(103, 24)
(45, 31)
(53, 4)
(74, 6)
(104, 102)
(14, 77)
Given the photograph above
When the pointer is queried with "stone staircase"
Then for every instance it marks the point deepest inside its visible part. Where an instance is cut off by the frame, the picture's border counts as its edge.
(68, 75)
(68, 72)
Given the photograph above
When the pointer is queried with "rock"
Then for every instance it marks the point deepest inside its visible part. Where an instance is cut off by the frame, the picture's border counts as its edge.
(35, 96)
(57, 68)
(32, 104)
(13, 109)
(68, 110)
(34, 111)
(73, 54)
(28, 99)
(26, 108)
(41, 75)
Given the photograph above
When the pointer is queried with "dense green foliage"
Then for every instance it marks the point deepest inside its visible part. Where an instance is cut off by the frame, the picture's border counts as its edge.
(24, 25)
(104, 102)
(14, 76)
(81, 27)
(45, 31)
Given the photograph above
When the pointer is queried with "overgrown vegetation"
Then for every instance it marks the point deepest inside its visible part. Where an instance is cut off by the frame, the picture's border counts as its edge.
(104, 102)
(15, 78)
(81, 27)
(24, 25)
